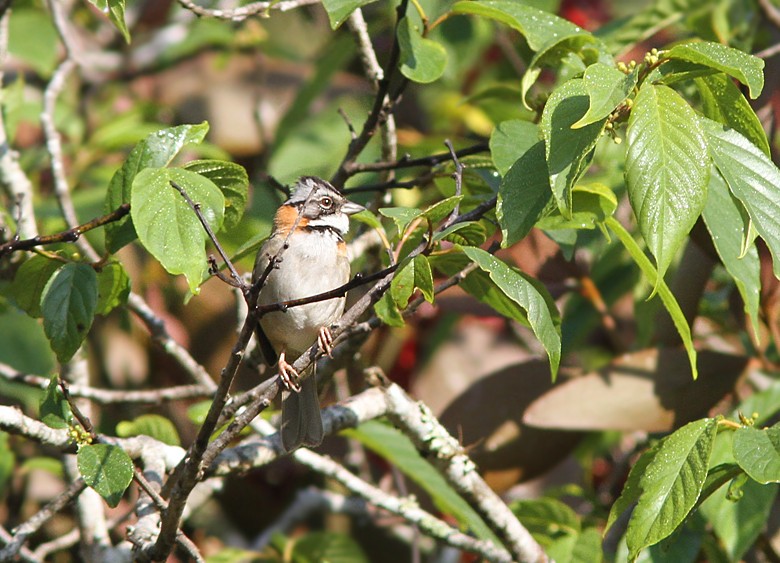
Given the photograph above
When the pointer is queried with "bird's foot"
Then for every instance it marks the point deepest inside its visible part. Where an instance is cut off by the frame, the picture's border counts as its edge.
(291, 379)
(325, 341)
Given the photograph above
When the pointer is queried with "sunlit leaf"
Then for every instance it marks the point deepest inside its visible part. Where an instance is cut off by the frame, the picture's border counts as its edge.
(671, 484)
(154, 425)
(115, 10)
(156, 151)
(510, 140)
(168, 227)
(667, 170)
(340, 10)
(607, 88)
(422, 60)
(746, 68)
(231, 179)
(107, 469)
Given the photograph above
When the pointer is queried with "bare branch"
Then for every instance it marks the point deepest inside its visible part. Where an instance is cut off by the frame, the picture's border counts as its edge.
(70, 235)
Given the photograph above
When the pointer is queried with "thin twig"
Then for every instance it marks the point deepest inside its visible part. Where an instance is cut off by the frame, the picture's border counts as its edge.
(196, 208)
(34, 523)
(458, 176)
(69, 235)
(384, 101)
(407, 162)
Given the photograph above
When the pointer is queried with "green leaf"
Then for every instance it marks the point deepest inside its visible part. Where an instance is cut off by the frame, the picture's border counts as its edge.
(510, 140)
(392, 445)
(401, 216)
(54, 409)
(607, 88)
(422, 60)
(526, 295)
(231, 179)
(537, 26)
(666, 295)
(479, 285)
(113, 287)
(339, 10)
(68, 304)
(591, 205)
(156, 151)
(723, 102)
(723, 218)
(738, 524)
(154, 425)
(115, 9)
(523, 194)
(29, 281)
(568, 150)
(467, 233)
(107, 469)
(327, 546)
(671, 484)
(546, 518)
(33, 38)
(387, 311)
(568, 55)
(746, 68)
(441, 209)
(758, 453)
(416, 274)
(667, 170)
(23, 346)
(166, 224)
(753, 178)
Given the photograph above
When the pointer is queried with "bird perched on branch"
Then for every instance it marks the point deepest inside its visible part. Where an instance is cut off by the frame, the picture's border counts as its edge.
(309, 258)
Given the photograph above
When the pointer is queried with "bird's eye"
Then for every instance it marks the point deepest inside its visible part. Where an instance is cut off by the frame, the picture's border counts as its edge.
(326, 203)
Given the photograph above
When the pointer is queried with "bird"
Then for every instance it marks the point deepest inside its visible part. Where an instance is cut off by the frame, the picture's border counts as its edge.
(310, 257)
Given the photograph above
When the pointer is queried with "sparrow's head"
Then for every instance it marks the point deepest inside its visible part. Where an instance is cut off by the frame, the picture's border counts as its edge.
(319, 205)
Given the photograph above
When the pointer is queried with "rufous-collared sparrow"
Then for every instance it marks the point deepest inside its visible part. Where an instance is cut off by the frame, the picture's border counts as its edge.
(308, 242)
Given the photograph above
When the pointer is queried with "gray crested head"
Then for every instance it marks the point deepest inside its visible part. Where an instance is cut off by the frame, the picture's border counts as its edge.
(322, 205)
(311, 185)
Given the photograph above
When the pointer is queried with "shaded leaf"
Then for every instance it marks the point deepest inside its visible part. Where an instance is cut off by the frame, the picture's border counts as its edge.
(387, 311)
(723, 102)
(671, 484)
(232, 181)
(68, 304)
(156, 151)
(523, 194)
(527, 295)
(546, 518)
(54, 408)
(168, 227)
(667, 170)
(758, 453)
(7, 462)
(568, 150)
(746, 68)
(29, 281)
(107, 469)
(154, 425)
(723, 218)
(753, 178)
(738, 524)
(327, 546)
(468, 233)
(510, 140)
(113, 287)
(591, 205)
(632, 490)
(422, 60)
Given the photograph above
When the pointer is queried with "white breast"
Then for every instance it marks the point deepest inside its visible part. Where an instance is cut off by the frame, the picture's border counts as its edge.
(306, 269)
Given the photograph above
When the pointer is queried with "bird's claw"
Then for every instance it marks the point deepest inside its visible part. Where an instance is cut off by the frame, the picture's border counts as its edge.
(325, 341)
(291, 379)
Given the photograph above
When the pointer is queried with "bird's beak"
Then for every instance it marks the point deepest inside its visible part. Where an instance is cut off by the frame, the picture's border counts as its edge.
(350, 208)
